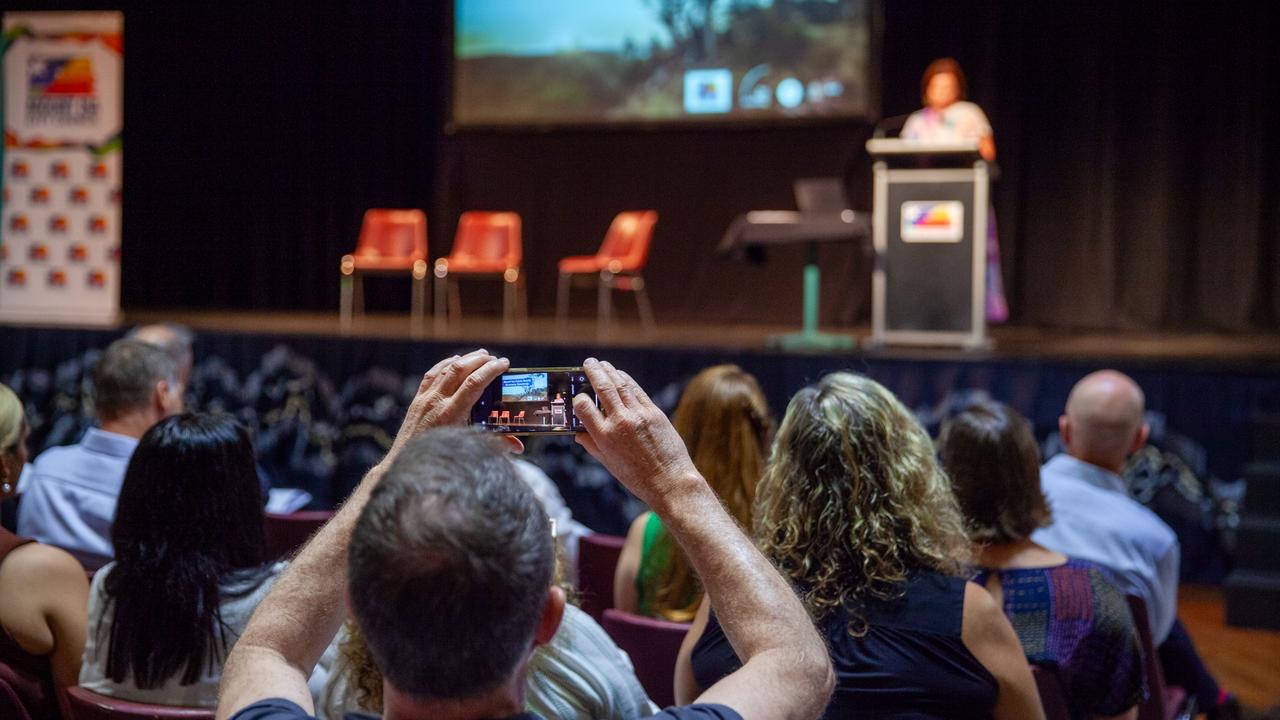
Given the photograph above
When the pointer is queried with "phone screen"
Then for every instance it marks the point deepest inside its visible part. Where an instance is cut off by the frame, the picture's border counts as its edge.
(532, 401)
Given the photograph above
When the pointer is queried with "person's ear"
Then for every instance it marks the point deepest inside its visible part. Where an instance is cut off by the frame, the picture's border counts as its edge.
(1064, 429)
(1140, 438)
(552, 613)
(167, 398)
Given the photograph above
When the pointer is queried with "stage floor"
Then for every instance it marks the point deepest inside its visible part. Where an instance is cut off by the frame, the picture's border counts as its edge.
(1007, 342)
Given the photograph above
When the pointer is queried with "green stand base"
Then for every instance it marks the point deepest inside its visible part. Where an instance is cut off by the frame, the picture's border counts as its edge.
(812, 341)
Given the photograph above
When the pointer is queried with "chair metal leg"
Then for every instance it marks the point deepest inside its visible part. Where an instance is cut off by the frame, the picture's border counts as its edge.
(562, 302)
(358, 281)
(455, 303)
(524, 304)
(344, 303)
(508, 306)
(419, 306)
(441, 305)
(604, 303)
(642, 302)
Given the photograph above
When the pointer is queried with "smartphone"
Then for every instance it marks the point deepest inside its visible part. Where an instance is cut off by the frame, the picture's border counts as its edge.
(532, 401)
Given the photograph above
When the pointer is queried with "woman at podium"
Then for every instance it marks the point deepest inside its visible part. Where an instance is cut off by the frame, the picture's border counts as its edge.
(947, 116)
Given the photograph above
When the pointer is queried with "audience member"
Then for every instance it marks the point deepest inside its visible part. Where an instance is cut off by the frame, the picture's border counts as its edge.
(724, 421)
(176, 340)
(1067, 614)
(189, 566)
(580, 673)
(71, 495)
(855, 511)
(449, 570)
(1095, 519)
(43, 590)
(568, 530)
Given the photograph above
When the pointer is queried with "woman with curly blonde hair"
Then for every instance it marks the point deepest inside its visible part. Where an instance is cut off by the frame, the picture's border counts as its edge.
(724, 420)
(854, 509)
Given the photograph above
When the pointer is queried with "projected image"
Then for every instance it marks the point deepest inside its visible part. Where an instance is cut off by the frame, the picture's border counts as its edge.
(587, 61)
(524, 387)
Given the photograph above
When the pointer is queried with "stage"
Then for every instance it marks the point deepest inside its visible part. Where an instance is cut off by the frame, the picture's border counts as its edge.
(1206, 386)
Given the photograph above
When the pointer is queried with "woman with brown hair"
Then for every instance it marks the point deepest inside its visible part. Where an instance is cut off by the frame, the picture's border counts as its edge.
(724, 421)
(1066, 613)
(854, 509)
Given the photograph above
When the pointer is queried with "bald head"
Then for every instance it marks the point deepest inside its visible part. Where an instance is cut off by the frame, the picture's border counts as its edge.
(1103, 420)
(174, 339)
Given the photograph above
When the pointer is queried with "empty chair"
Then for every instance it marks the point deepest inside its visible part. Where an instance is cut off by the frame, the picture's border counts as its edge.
(286, 534)
(392, 242)
(86, 705)
(1053, 696)
(653, 645)
(616, 266)
(486, 244)
(1163, 702)
(597, 558)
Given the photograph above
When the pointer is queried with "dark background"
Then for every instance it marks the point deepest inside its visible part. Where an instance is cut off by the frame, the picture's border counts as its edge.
(1139, 181)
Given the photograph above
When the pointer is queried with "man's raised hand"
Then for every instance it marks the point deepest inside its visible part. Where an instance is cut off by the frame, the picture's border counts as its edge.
(632, 438)
(448, 391)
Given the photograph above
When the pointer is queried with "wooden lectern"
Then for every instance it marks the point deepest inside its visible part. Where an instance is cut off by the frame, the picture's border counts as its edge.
(929, 229)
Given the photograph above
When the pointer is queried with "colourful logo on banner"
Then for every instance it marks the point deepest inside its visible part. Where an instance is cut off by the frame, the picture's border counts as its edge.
(57, 278)
(78, 195)
(59, 169)
(932, 221)
(17, 277)
(19, 169)
(38, 252)
(97, 279)
(18, 223)
(98, 224)
(40, 195)
(57, 224)
(113, 253)
(77, 253)
(98, 170)
(59, 76)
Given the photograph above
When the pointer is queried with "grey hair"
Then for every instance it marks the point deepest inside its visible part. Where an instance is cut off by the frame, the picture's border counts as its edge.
(126, 375)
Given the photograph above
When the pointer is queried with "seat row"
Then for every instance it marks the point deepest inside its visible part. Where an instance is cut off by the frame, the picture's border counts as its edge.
(489, 245)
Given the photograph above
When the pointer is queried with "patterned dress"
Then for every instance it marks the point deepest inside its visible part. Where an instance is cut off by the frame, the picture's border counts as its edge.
(1072, 618)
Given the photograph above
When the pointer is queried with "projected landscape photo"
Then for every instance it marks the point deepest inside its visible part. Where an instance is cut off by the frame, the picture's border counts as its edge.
(601, 61)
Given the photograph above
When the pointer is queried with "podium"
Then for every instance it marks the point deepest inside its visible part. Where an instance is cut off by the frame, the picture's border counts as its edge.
(929, 230)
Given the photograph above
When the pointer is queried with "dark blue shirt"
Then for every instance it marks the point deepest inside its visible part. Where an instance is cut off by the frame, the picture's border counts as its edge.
(910, 664)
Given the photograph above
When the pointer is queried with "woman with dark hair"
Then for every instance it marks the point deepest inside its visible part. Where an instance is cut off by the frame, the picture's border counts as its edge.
(42, 592)
(947, 116)
(853, 509)
(1065, 611)
(188, 570)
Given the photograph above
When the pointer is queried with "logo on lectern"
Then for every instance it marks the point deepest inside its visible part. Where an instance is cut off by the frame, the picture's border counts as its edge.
(932, 221)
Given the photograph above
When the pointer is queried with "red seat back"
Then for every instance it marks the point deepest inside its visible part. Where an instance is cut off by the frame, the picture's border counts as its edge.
(653, 645)
(597, 559)
(629, 238)
(1053, 696)
(489, 237)
(27, 691)
(286, 534)
(393, 234)
(86, 705)
(1162, 702)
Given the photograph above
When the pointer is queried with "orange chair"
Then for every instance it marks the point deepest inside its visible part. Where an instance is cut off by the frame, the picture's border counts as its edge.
(616, 266)
(391, 242)
(487, 243)
(286, 534)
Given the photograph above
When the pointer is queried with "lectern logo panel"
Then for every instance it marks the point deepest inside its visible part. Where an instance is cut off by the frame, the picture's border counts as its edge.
(932, 221)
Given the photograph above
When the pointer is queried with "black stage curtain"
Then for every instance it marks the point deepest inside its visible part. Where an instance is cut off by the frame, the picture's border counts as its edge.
(1139, 174)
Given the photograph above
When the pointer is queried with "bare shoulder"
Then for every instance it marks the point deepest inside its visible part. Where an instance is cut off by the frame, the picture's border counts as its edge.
(983, 618)
(636, 532)
(44, 563)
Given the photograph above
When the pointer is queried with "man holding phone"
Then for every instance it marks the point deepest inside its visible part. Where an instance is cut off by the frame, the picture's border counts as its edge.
(446, 545)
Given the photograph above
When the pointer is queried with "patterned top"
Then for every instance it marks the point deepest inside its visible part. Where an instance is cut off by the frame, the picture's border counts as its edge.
(958, 121)
(1071, 617)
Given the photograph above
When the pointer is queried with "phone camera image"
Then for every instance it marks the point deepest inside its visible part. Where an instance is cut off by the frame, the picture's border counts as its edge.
(530, 401)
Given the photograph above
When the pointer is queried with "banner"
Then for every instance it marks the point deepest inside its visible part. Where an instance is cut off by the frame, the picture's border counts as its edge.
(63, 116)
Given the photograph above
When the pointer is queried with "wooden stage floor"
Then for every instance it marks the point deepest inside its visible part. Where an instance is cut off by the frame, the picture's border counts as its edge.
(1007, 342)
(1244, 661)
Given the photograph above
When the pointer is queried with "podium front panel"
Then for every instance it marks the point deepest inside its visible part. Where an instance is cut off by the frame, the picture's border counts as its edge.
(930, 236)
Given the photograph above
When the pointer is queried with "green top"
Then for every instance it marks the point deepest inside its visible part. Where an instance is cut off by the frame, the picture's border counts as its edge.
(653, 560)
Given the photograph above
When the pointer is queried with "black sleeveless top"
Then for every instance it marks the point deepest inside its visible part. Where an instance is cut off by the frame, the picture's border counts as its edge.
(911, 664)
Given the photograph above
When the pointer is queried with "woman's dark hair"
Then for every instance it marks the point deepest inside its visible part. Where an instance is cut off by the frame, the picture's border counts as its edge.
(994, 464)
(937, 67)
(189, 514)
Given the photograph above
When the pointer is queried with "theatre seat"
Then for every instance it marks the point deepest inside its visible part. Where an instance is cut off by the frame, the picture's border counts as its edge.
(1053, 696)
(1163, 702)
(286, 534)
(27, 691)
(391, 242)
(86, 705)
(597, 558)
(617, 265)
(653, 646)
(486, 244)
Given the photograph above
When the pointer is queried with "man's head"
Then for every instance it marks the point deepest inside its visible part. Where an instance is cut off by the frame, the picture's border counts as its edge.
(450, 569)
(174, 339)
(1103, 421)
(135, 384)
